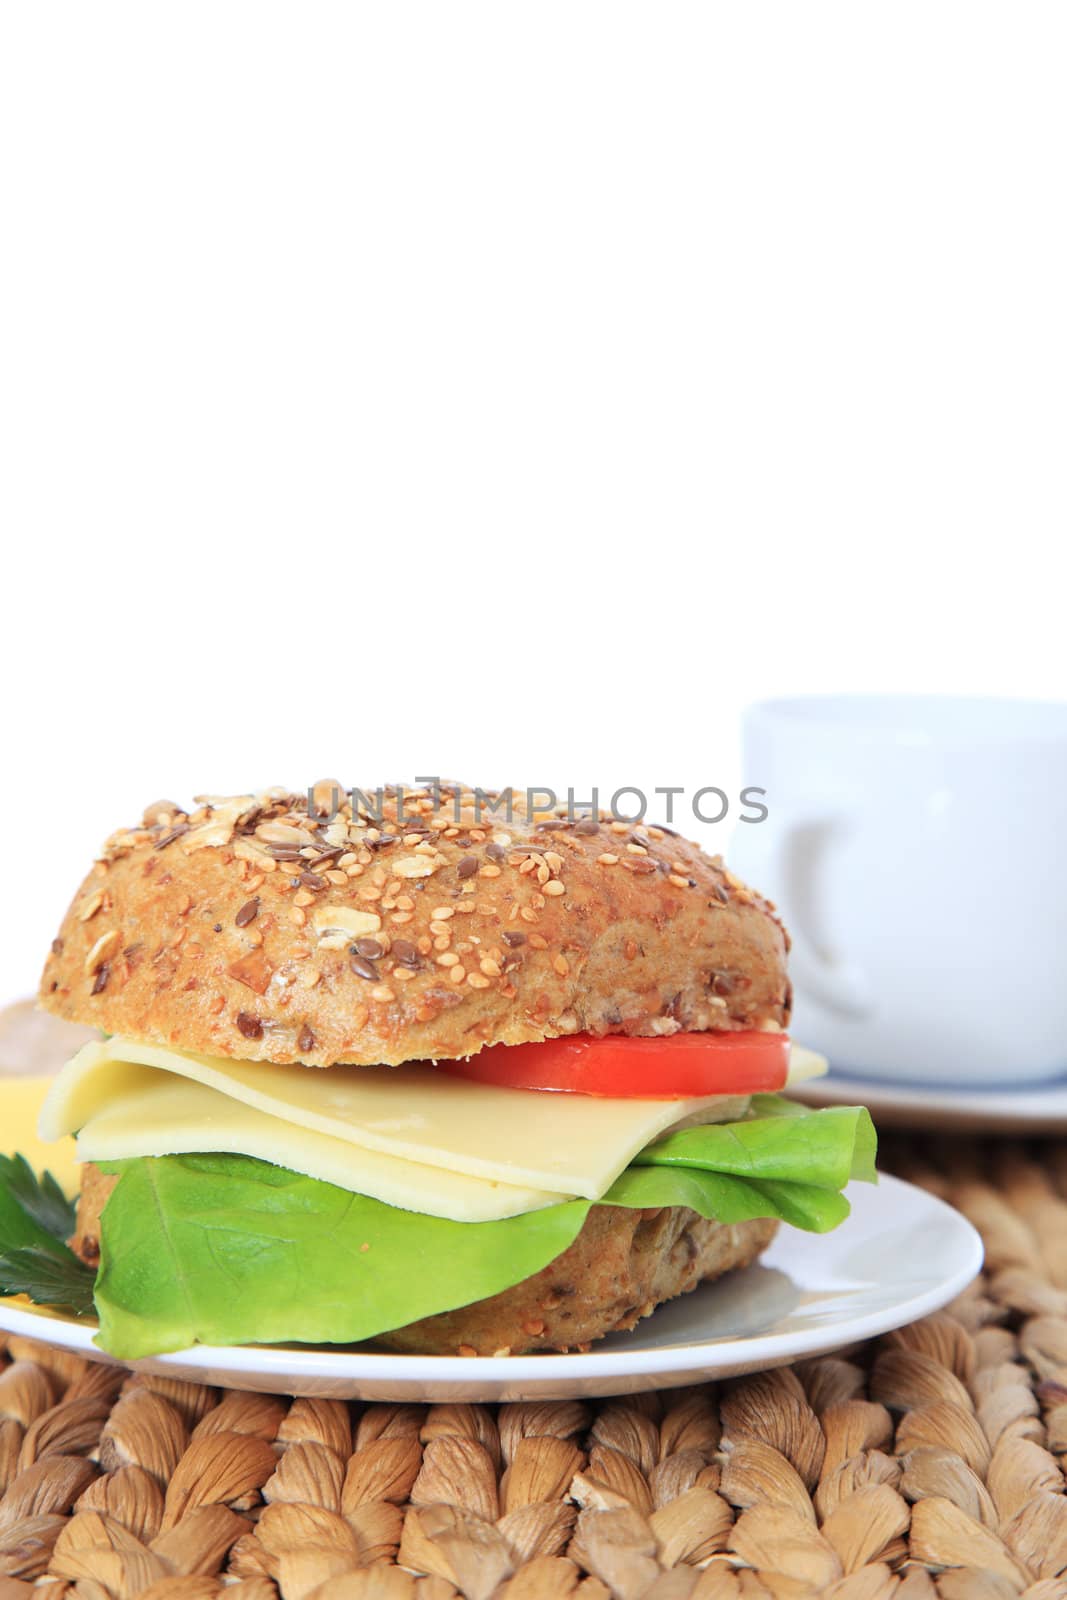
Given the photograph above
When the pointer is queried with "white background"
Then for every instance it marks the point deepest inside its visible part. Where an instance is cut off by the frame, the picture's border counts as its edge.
(509, 391)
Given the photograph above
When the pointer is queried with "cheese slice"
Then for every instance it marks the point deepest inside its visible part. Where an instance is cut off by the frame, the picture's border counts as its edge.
(403, 1135)
(168, 1115)
(805, 1064)
(562, 1143)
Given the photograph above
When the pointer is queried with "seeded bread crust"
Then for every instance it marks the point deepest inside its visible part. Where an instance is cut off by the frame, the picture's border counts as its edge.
(250, 928)
(622, 1265)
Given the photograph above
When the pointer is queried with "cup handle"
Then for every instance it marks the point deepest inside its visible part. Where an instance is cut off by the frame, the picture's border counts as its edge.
(789, 857)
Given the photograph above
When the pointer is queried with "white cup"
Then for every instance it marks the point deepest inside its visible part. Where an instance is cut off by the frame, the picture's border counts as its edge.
(916, 848)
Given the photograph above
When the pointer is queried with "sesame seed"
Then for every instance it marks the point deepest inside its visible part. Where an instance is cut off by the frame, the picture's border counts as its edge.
(457, 975)
(538, 942)
(490, 967)
(442, 913)
(562, 965)
(679, 882)
(382, 992)
(298, 915)
(310, 977)
(489, 871)
(476, 981)
(608, 860)
(555, 888)
(303, 897)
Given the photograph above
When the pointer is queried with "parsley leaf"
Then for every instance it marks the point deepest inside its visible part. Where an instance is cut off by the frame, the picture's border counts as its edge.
(35, 1219)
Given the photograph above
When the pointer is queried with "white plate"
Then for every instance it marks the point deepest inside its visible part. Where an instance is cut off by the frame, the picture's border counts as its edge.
(900, 1255)
(1035, 1108)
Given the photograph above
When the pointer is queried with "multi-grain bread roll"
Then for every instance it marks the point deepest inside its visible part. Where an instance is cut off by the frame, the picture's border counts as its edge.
(243, 944)
(252, 928)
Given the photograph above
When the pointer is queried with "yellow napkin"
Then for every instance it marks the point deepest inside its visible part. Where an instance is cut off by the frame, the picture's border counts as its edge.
(20, 1105)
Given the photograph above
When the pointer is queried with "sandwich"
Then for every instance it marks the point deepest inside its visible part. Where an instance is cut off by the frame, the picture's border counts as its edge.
(424, 1074)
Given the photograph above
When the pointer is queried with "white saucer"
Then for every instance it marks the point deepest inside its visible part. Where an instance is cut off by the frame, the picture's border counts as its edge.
(1027, 1108)
(901, 1254)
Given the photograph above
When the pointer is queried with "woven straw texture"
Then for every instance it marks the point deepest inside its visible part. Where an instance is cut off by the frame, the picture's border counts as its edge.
(929, 1462)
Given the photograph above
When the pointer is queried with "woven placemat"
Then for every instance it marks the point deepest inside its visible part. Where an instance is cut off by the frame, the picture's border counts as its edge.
(927, 1462)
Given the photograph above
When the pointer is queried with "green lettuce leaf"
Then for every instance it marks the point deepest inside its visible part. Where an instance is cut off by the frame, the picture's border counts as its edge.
(824, 1148)
(222, 1249)
(725, 1198)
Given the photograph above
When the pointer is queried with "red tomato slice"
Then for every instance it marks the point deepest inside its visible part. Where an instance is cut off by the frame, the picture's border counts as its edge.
(682, 1067)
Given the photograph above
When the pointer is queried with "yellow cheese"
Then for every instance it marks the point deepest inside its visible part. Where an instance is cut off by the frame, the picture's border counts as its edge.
(167, 1115)
(20, 1107)
(805, 1064)
(566, 1144)
(408, 1136)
